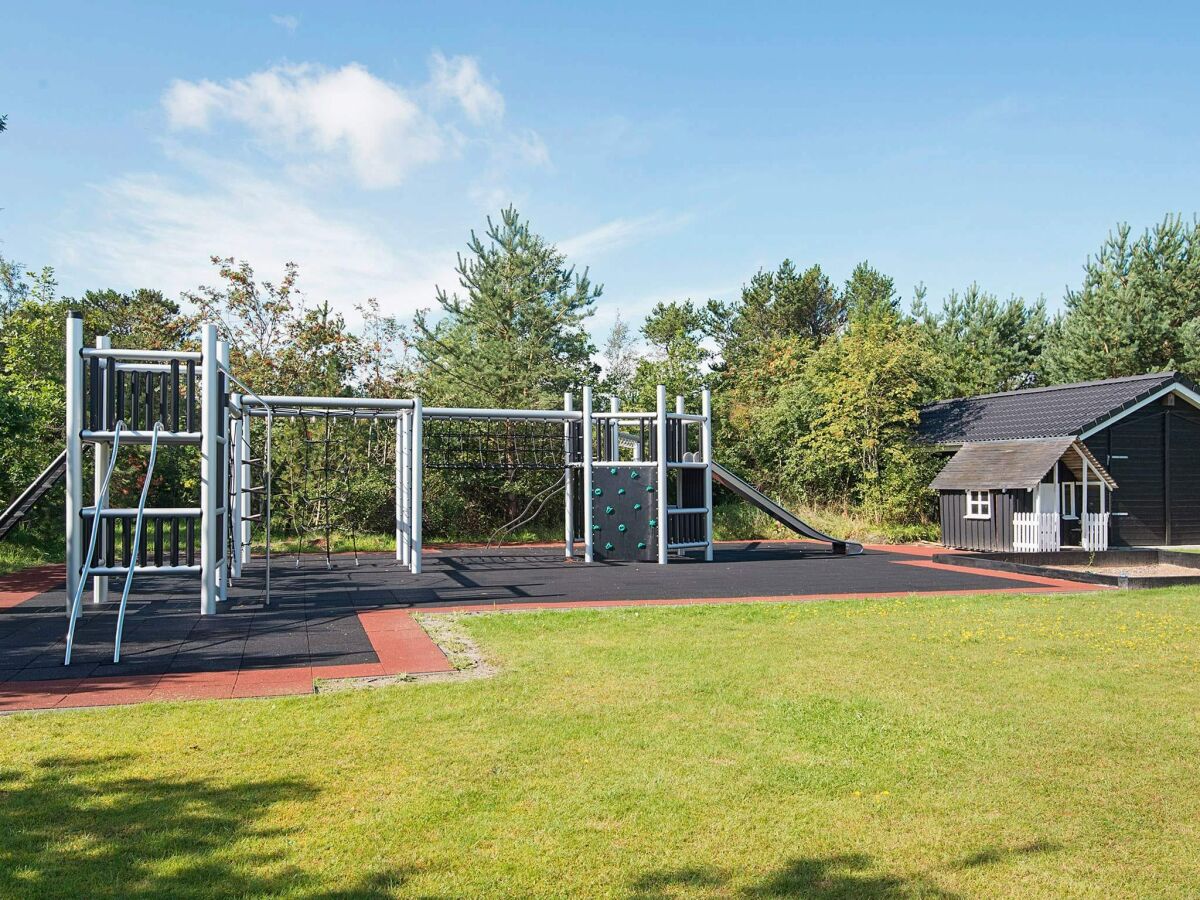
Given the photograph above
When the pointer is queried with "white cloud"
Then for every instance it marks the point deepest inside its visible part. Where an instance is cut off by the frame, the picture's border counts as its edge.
(309, 127)
(306, 110)
(288, 23)
(151, 232)
(619, 233)
(459, 79)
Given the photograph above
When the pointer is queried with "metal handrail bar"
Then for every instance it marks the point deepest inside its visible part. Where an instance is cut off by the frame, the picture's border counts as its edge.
(101, 499)
(142, 355)
(137, 540)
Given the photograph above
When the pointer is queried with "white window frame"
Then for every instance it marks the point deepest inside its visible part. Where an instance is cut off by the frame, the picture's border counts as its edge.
(1069, 509)
(979, 505)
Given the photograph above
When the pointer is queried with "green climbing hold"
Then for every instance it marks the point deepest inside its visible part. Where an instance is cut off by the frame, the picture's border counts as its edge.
(608, 546)
(637, 506)
(621, 527)
(595, 528)
(608, 510)
(598, 491)
(641, 545)
(649, 489)
(653, 522)
(612, 470)
(633, 473)
(621, 491)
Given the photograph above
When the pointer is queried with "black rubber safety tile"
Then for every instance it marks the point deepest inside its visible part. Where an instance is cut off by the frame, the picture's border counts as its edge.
(54, 673)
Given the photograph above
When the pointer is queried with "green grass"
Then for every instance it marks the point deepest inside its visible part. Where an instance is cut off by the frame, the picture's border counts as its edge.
(1005, 746)
(20, 551)
(740, 521)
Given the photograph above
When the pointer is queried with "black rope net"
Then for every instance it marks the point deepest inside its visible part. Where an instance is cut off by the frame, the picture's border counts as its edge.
(499, 445)
(334, 473)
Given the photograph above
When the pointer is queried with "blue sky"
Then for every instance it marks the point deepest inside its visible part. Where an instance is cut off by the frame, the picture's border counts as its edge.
(674, 149)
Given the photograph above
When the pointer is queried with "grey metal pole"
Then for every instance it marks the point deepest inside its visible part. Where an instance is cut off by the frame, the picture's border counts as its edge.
(224, 458)
(569, 485)
(101, 452)
(74, 428)
(408, 485)
(237, 494)
(210, 483)
(588, 543)
(266, 518)
(681, 408)
(401, 427)
(706, 444)
(245, 481)
(661, 425)
(418, 477)
(614, 429)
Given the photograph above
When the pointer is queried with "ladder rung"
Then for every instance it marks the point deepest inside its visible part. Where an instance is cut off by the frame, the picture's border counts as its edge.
(257, 517)
(255, 489)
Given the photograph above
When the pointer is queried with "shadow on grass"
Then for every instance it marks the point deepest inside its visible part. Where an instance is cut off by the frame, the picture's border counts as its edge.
(845, 875)
(990, 855)
(95, 827)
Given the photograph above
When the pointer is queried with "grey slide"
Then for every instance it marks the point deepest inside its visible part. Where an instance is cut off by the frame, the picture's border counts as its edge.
(50, 477)
(753, 496)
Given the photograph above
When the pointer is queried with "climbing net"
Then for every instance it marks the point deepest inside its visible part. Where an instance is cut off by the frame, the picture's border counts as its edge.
(322, 494)
(493, 444)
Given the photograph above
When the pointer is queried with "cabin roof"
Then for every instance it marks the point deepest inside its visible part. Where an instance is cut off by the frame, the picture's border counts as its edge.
(1013, 465)
(1056, 411)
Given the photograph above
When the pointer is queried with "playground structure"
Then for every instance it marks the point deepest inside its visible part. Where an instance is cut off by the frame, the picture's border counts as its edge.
(636, 485)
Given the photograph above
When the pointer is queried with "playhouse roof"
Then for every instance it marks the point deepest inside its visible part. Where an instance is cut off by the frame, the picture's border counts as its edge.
(1057, 411)
(1013, 465)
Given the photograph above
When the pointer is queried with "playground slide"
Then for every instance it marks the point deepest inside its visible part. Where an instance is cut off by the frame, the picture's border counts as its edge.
(49, 477)
(756, 498)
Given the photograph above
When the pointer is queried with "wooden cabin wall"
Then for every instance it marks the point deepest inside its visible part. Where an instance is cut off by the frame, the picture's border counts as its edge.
(995, 533)
(1154, 456)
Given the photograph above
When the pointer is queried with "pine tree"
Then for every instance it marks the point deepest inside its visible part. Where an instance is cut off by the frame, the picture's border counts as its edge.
(1136, 311)
(675, 332)
(515, 337)
(620, 361)
(983, 345)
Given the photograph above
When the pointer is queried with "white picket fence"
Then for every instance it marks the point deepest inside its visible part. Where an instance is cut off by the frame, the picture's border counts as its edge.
(1036, 532)
(1095, 531)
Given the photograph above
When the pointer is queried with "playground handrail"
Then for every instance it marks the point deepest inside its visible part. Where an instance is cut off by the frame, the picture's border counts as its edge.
(101, 499)
(137, 539)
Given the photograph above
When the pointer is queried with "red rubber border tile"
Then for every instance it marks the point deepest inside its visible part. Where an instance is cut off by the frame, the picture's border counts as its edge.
(1041, 580)
(17, 587)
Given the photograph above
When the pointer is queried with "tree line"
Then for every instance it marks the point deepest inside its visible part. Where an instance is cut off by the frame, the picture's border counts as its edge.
(817, 383)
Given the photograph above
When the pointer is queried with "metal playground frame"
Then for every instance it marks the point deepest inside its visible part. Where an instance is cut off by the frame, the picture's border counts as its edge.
(636, 484)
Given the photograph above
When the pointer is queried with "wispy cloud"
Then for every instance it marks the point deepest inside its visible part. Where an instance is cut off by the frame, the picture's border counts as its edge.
(267, 200)
(460, 80)
(305, 111)
(154, 231)
(620, 233)
(288, 23)
(318, 119)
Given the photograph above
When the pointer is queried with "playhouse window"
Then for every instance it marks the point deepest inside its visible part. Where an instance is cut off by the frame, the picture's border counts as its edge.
(979, 504)
(1068, 500)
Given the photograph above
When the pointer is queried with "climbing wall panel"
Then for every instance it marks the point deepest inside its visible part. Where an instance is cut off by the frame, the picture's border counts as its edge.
(624, 513)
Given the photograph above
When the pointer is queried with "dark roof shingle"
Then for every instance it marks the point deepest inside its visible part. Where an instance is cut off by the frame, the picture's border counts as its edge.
(1012, 465)
(1056, 411)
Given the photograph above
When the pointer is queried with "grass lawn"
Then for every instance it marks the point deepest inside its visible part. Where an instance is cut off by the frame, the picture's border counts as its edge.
(987, 746)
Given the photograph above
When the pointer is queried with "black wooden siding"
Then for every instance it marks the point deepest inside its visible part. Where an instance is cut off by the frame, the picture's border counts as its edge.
(1154, 455)
(995, 533)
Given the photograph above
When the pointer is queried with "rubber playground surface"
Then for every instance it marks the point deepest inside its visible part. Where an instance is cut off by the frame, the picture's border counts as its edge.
(354, 620)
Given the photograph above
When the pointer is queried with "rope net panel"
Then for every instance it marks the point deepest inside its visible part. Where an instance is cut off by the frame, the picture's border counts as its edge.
(499, 445)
